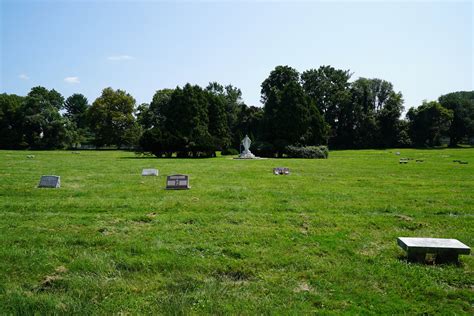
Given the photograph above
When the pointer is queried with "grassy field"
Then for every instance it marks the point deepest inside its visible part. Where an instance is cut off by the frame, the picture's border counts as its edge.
(240, 241)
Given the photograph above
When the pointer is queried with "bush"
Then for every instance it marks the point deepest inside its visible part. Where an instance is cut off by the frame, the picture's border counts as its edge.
(263, 149)
(313, 152)
(229, 152)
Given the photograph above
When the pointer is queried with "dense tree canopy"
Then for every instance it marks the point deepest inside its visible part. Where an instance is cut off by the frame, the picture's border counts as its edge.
(111, 119)
(428, 123)
(43, 126)
(317, 107)
(328, 88)
(462, 105)
(11, 135)
(290, 117)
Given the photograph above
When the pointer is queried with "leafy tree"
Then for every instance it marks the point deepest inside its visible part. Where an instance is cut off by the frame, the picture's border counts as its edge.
(462, 105)
(232, 99)
(43, 126)
(111, 118)
(377, 109)
(428, 123)
(327, 87)
(290, 118)
(158, 106)
(188, 119)
(218, 127)
(76, 107)
(368, 116)
(11, 136)
(278, 79)
(249, 123)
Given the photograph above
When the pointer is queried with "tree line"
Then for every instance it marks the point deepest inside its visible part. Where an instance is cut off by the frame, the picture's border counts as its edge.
(316, 107)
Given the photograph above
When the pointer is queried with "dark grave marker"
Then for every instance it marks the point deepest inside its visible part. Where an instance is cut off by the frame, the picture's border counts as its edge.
(281, 171)
(456, 160)
(50, 182)
(403, 160)
(419, 160)
(177, 182)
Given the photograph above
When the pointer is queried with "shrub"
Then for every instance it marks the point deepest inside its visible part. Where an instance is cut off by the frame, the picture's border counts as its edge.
(229, 152)
(263, 149)
(313, 152)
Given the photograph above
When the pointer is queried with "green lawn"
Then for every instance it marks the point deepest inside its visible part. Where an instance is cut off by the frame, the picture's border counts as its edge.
(240, 241)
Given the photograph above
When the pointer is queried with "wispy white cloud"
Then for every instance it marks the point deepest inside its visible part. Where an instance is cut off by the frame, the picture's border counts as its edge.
(23, 77)
(72, 80)
(120, 57)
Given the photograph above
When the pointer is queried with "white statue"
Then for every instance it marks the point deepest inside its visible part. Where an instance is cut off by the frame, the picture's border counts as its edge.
(246, 154)
(246, 142)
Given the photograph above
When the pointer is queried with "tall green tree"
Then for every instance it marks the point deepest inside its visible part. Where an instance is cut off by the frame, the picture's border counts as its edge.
(290, 117)
(376, 118)
(328, 88)
(76, 107)
(43, 126)
(11, 119)
(428, 123)
(112, 121)
(277, 80)
(232, 98)
(187, 120)
(462, 105)
(218, 124)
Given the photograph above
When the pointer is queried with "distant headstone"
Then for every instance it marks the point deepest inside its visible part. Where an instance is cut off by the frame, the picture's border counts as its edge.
(403, 160)
(397, 153)
(149, 172)
(281, 171)
(456, 160)
(419, 160)
(50, 182)
(76, 152)
(463, 162)
(177, 182)
(445, 249)
(30, 156)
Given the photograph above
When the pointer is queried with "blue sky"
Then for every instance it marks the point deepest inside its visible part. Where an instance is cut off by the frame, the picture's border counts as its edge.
(424, 48)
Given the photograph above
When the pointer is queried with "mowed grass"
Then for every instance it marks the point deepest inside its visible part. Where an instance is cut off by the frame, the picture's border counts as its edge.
(241, 241)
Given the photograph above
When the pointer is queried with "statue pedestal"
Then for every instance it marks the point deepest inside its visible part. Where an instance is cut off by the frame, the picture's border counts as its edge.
(246, 154)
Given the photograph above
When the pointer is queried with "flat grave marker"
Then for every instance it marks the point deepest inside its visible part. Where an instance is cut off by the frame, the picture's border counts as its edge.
(30, 156)
(281, 171)
(403, 160)
(446, 250)
(50, 182)
(177, 182)
(150, 172)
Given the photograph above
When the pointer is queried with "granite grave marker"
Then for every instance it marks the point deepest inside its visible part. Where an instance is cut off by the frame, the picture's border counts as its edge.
(177, 182)
(50, 182)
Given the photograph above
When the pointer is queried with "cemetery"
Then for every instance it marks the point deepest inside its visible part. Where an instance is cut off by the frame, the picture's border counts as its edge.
(236, 158)
(354, 233)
